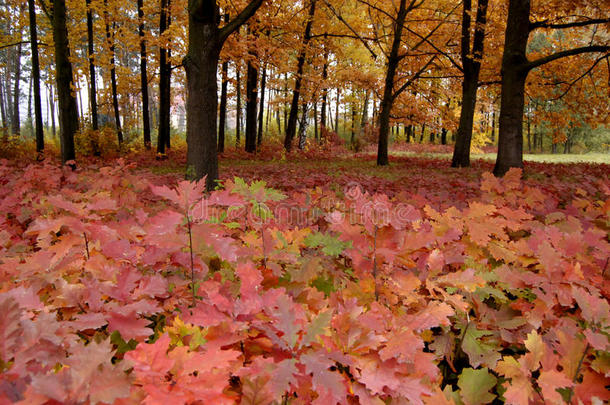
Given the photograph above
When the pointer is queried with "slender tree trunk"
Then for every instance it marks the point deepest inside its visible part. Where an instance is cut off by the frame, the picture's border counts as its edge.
(168, 88)
(68, 114)
(408, 130)
(365, 109)
(115, 98)
(36, 78)
(16, 122)
(294, 106)
(164, 83)
(143, 76)
(529, 132)
(251, 101)
(388, 91)
(238, 113)
(261, 110)
(471, 63)
(90, 56)
(315, 122)
(303, 127)
(353, 124)
(3, 108)
(52, 105)
(223, 108)
(324, 91)
(493, 125)
(277, 115)
(337, 111)
(423, 132)
(444, 136)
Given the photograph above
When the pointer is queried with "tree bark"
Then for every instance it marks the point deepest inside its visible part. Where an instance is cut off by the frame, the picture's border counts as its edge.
(92, 81)
(238, 112)
(388, 91)
(471, 64)
(324, 91)
(115, 98)
(514, 74)
(52, 105)
(36, 78)
(143, 76)
(205, 41)
(261, 110)
(16, 122)
(164, 84)
(251, 103)
(294, 106)
(68, 113)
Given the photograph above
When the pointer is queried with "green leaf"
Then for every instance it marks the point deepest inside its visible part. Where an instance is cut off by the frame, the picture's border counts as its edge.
(480, 351)
(317, 327)
(324, 285)
(475, 385)
(331, 245)
(122, 346)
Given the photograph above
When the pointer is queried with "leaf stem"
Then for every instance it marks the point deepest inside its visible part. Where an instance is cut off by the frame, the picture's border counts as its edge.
(188, 222)
(375, 264)
(86, 245)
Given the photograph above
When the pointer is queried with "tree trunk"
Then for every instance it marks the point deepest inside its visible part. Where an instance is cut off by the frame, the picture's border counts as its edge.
(444, 136)
(164, 84)
(294, 106)
(223, 108)
(514, 74)
(408, 132)
(16, 122)
(324, 91)
(143, 76)
(205, 41)
(52, 105)
(238, 106)
(259, 140)
(3, 109)
(303, 128)
(388, 91)
(92, 81)
(68, 114)
(493, 125)
(471, 63)
(35, 78)
(115, 98)
(315, 122)
(337, 111)
(251, 105)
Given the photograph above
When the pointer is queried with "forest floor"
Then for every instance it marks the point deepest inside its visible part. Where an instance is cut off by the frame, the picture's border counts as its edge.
(311, 278)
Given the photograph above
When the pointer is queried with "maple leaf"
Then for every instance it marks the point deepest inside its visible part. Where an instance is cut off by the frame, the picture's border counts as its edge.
(329, 385)
(150, 361)
(593, 386)
(128, 325)
(549, 382)
(10, 328)
(185, 195)
(537, 350)
(475, 385)
(480, 351)
(401, 345)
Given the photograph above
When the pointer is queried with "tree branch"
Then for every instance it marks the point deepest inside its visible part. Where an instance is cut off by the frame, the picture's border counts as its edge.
(340, 18)
(570, 52)
(20, 43)
(238, 21)
(573, 82)
(414, 78)
(547, 24)
(45, 9)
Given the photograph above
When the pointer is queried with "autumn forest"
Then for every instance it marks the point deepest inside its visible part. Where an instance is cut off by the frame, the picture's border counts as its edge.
(308, 202)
